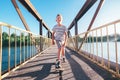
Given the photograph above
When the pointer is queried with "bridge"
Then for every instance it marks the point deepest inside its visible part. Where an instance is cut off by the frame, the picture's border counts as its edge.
(91, 55)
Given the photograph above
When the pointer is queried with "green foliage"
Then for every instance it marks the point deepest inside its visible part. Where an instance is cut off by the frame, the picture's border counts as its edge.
(5, 39)
(99, 39)
(4, 36)
(13, 37)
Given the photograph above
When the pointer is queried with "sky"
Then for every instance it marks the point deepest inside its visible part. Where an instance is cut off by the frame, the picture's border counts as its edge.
(48, 9)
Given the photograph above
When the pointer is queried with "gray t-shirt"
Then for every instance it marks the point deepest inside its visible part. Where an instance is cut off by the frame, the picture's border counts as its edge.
(59, 32)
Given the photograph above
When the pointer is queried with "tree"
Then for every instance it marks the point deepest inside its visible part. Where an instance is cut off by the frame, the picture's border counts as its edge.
(5, 39)
(12, 38)
(4, 36)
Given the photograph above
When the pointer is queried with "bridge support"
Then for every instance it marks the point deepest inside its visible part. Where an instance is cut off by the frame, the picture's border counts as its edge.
(68, 34)
(40, 32)
(49, 34)
(20, 15)
(0, 53)
(76, 33)
(92, 21)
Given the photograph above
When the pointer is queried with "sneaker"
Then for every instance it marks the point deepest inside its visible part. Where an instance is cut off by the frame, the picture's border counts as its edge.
(64, 60)
(57, 65)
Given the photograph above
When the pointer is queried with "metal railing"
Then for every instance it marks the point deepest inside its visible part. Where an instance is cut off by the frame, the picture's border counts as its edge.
(101, 46)
(17, 46)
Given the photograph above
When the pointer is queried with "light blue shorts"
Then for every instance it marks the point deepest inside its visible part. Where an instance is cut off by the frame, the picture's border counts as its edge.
(59, 43)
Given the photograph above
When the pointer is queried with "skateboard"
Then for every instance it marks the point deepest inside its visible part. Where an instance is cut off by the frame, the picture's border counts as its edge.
(59, 69)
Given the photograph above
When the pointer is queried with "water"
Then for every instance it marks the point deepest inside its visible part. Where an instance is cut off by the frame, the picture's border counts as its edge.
(92, 48)
(26, 51)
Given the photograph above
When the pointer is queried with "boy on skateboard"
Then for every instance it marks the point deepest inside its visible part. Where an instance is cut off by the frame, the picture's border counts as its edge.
(59, 35)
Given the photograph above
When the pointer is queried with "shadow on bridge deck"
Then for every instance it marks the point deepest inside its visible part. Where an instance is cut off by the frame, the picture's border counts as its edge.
(76, 67)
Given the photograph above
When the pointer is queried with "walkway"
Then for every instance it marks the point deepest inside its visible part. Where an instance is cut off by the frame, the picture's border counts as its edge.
(43, 68)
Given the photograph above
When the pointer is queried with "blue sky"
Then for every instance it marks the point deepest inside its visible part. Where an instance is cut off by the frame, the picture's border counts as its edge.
(68, 8)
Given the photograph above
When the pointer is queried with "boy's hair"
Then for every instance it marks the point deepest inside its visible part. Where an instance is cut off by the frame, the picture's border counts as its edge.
(59, 15)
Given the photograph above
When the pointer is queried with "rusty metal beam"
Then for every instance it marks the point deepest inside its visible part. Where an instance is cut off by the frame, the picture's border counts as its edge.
(28, 5)
(92, 21)
(0, 52)
(20, 15)
(88, 4)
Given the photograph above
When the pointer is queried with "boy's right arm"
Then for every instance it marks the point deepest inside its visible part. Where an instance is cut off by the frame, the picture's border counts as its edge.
(53, 38)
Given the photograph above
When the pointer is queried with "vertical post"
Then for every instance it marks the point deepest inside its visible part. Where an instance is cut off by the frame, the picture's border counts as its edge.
(68, 34)
(20, 47)
(0, 52)
(27, 45)
(41, 35)
(30, 45)
(24, 48)
(108, 48)
(48, 34)
(9, 51)
(92, 45)
(68, 40)
(102, 46)
(97, 45)
(15, 48)
(35, 44)
(40, 32)
(116, 50)
(76, 33)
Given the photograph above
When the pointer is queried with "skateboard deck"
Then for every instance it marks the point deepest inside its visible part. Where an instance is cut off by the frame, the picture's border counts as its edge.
(59, 69)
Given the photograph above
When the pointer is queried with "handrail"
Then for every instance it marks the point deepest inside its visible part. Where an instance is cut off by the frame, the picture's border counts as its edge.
(92, 21)
(11, 26)
(22, 45)
(88, 4)
(99, 47)
(99, 27)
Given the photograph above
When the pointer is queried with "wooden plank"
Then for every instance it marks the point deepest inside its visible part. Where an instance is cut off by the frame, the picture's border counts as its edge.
(75, 68)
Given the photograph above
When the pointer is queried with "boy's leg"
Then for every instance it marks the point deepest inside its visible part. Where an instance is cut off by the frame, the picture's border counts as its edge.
(59, 51)
(58, 63)
(63, 53)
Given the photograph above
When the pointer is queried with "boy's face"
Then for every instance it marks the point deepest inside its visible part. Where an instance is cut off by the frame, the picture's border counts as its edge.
(59, 19)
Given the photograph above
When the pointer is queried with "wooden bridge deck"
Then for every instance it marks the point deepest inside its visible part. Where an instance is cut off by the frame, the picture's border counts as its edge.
(76, 67)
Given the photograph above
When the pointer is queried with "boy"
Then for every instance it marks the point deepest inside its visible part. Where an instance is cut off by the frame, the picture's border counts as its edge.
(59, 35)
